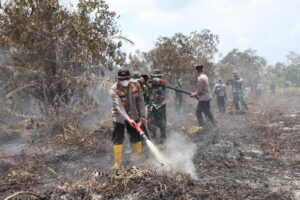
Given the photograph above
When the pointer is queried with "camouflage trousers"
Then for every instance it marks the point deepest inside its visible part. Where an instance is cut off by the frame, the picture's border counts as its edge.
(239, 97)
(157, 118)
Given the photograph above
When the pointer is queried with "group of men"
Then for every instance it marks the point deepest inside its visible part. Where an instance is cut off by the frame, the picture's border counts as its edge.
(141, 99)
(237, 92)
(135, 99)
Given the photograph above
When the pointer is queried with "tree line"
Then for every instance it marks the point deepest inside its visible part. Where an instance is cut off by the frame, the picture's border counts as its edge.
(50, 56)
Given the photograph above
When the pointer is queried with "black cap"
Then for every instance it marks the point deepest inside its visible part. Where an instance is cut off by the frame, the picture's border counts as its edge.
(123, 73)
(199, 67)
(145, 76)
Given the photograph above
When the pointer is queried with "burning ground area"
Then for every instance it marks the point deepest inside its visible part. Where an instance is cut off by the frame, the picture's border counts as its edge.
(251, 155)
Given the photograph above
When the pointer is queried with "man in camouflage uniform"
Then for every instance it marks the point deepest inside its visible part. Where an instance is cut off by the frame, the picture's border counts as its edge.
(178, 96)
(220, 92)
(157, 106)
(137, 78)
(128, 108)
(237, 91)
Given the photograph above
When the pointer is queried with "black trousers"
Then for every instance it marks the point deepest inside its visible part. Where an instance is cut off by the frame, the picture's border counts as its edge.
(204, 106)
(221, 103)
(118, 134)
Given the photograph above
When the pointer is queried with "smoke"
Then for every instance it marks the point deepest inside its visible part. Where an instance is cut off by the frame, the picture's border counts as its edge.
(179, 154)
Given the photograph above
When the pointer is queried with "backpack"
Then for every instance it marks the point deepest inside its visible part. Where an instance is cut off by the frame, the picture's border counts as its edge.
(218, 90)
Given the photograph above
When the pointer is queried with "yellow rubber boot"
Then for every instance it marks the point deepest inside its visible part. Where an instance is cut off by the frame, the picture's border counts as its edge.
(117, 156)
(138, 149)
(152, 133)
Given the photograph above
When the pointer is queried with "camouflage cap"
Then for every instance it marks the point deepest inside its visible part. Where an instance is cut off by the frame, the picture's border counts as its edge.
(235, 73)
(157, 73)
(219, 80)
(137, 76)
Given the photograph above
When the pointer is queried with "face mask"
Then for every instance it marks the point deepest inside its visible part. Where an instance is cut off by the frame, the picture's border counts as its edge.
(124, 83)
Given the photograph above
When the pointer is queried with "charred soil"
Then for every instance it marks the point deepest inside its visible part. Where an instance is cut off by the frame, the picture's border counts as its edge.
(250, 155)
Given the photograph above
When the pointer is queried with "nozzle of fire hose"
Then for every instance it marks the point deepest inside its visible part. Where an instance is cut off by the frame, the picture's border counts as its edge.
(140, 131)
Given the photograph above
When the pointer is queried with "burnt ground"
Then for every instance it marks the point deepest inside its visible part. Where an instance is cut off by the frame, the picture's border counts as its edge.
(251, 155)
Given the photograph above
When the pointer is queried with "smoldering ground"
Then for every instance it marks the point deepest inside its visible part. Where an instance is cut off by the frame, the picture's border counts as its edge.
(178, 155)
(249, 156)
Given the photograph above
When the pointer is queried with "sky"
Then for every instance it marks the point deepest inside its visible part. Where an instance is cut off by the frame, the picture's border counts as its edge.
(271, 27)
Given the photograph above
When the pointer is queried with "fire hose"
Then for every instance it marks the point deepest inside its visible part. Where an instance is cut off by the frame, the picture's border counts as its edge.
(179, 90)
(140, 131)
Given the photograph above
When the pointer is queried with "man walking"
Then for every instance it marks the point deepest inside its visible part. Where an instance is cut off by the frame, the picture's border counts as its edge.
(237, 91)
(204, 97)
(128, 108)
(220, 92)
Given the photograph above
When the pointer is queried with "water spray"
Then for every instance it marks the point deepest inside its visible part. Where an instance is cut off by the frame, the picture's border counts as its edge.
(160, 158)
(172, 162)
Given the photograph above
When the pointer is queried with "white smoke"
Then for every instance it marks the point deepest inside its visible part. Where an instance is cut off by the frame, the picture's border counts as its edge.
(179, 154)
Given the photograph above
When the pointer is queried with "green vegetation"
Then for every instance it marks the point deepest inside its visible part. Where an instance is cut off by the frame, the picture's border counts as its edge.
(285, 75)
(49, 52)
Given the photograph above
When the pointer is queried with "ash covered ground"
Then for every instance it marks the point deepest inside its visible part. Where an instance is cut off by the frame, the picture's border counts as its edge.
(250, 155)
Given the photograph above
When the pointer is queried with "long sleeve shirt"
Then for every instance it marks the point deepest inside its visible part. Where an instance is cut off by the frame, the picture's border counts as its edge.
(220, 90)
(236, 85)
(203, 92)
(127, 103)
(157, 97)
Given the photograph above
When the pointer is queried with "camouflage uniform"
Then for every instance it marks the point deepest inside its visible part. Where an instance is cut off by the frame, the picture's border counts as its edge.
(137, 78)
(145, 93)
(237, 91)
(178, 96)
(157, 107)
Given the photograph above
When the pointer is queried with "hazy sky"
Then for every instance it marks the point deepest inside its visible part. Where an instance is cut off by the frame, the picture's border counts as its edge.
(272, 27)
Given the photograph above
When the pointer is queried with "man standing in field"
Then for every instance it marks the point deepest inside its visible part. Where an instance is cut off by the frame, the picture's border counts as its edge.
(157, 106)
(204, 97)
(237, 91)
(128, 108)
(220, 92)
